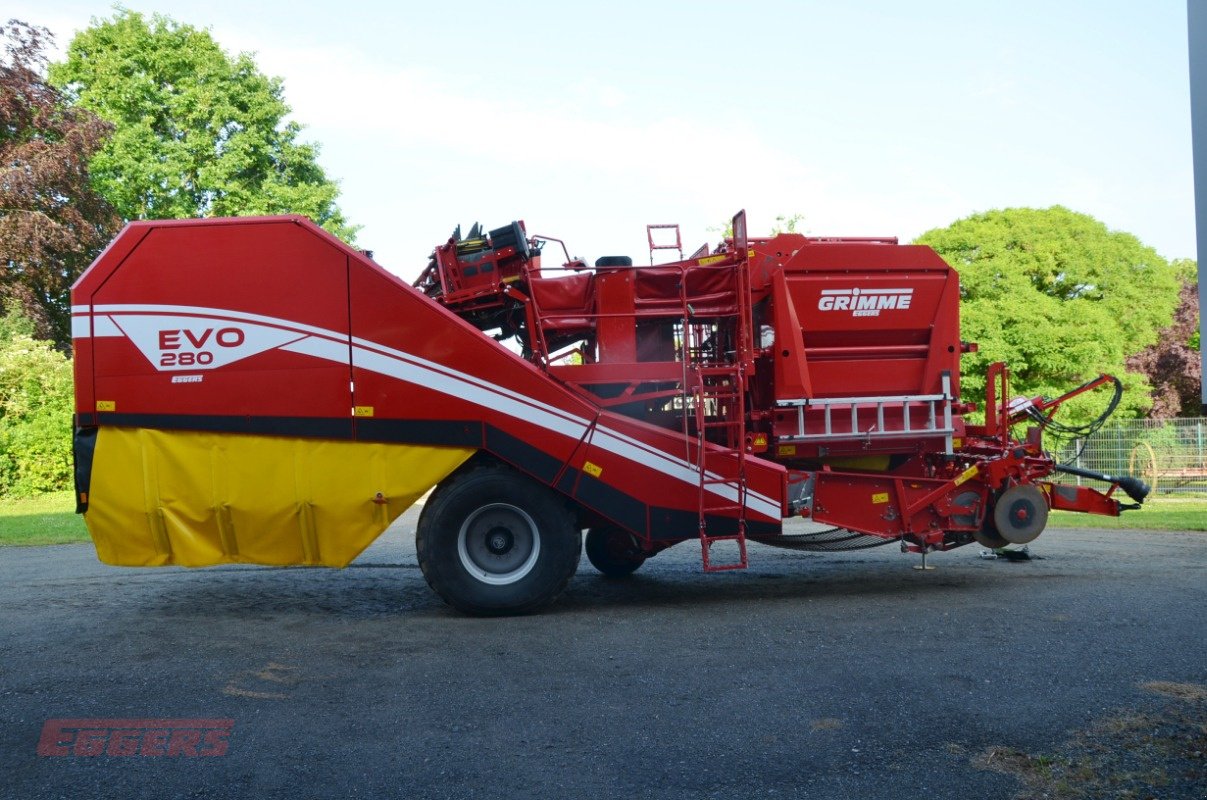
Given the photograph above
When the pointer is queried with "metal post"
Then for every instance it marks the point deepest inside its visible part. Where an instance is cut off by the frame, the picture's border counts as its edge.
(1196, 26)
(1202, 461)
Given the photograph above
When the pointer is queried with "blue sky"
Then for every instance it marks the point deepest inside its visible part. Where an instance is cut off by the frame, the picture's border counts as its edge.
(590, 120)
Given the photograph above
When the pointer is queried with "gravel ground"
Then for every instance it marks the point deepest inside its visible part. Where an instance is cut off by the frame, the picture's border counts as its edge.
(1077, 674)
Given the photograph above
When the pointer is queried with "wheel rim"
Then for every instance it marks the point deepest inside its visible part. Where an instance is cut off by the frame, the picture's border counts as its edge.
(621, 547)
(1021, 514)
(498, 544)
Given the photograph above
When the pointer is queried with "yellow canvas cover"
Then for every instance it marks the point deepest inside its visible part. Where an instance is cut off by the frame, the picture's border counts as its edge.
(197, 499)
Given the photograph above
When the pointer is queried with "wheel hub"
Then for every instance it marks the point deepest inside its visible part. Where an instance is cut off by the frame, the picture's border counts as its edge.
(498, 543)
(1021, 514)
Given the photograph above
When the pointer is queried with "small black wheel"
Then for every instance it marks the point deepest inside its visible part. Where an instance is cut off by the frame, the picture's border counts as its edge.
(988, 536)
(1020, 514)
(492, 542)
(614, 551)
(614, 261)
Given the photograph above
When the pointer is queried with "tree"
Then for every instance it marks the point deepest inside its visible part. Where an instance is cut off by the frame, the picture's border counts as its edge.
(1173, 364)
(52, 222)
(35, 410)
(198, 132)
(1059, 298)
(787, 224)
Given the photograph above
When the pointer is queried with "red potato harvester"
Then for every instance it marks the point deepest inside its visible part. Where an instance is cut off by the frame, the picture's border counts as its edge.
(253, 390)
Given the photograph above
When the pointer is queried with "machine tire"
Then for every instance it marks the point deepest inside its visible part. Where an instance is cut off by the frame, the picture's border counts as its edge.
(614, 261)
(1020, 514)
(492, 542)
(988, 536)
(614, 552)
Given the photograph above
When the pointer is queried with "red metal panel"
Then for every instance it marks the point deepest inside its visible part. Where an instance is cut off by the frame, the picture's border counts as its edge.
(661, 468)
(81, 345)
(205, 318)
(415, 360)
(617, 330)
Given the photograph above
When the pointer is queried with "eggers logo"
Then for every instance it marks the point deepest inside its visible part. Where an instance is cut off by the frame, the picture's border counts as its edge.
(189, 738)
(865, 302)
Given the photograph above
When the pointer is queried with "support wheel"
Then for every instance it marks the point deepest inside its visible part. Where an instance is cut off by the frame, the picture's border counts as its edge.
(988, 536)
(1020, 514)
(614, 552)
(492, 542)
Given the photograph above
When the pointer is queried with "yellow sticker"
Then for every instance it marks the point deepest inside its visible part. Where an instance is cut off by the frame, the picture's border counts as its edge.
(956, 444)
(879, 497)
(362, 411)
(704, 262)
(106, 405)
(785, 450)
(594, 470)
(967, 474)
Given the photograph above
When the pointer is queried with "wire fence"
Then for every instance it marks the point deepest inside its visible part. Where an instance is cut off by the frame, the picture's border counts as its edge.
(1168, 454)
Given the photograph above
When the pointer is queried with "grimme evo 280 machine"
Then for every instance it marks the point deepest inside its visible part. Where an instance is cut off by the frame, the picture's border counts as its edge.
(253, 390)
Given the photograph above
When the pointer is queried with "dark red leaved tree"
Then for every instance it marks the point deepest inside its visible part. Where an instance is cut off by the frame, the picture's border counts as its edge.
(1172, 365)
(52, 223)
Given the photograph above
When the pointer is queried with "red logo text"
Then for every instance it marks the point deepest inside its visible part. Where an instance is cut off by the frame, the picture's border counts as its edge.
(189, 738)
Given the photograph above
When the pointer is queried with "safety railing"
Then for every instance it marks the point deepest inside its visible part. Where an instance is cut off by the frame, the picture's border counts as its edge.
(864, 418)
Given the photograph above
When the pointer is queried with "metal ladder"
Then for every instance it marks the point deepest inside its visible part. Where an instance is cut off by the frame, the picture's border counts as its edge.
(721, 390)
(713, 397)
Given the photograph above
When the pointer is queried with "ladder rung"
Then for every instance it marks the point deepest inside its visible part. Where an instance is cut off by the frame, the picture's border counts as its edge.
(710, 567)
(729, 537)
(706, 545)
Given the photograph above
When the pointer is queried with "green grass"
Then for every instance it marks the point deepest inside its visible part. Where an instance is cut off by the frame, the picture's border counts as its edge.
(1160, 513)
(51, 519)
(47, 519)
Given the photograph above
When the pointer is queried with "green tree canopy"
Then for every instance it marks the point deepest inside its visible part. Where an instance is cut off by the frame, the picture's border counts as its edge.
(1059, 297)
(198, 132)
(35, 408)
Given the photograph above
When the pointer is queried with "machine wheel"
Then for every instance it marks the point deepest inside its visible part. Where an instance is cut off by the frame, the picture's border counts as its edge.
(614, 552)
(988, 536)
(1143, 464)
(1020, 514)
(614, 261)
(492, 542)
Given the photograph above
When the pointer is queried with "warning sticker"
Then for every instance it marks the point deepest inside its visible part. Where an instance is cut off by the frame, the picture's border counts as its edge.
(594, 470)
(966, 475)
(879, 497)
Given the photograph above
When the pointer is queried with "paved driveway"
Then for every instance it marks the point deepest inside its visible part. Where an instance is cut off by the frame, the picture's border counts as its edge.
(845, 675)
